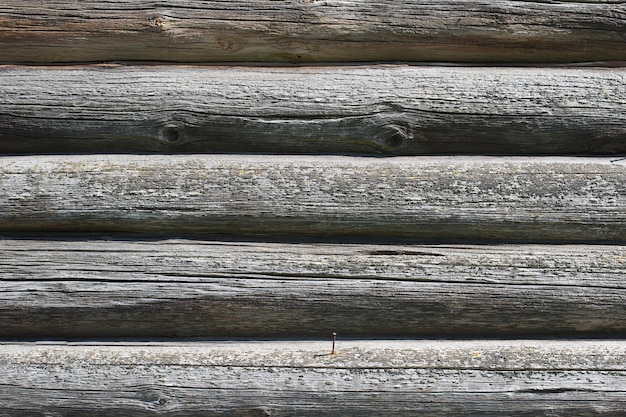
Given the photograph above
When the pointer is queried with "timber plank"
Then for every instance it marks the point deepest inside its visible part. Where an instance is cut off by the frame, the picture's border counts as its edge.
(429, 198)
(389, 378)
(379, 109)
(114, 287)
(312, 31)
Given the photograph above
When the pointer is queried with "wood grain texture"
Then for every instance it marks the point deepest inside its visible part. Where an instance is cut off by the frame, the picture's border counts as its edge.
(359, 109)
(387, 378)
(430, 198)
(312, 31)
(85, 287)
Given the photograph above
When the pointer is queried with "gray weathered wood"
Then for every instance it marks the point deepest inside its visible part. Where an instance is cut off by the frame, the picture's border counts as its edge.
(385, 378)
(305, 31)
(84, 287)
(370, 109)
(440, 198)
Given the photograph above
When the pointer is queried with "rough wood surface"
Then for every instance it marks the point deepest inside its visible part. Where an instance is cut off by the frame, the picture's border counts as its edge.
(431, 198)
(369, 109)
(310, 30)
(385, 378)
(83, 287)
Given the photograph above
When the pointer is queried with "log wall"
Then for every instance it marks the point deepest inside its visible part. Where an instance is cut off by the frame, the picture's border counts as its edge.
(428, 198)
(195, 196)
(376, 109)
(287, 378)
(86, 287)
(313, 31)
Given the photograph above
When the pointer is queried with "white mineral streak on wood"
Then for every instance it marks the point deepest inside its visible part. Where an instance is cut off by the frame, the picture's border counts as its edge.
(389, 378)
(81, 287)
(306, 31)
(360, 109)
(443, 198)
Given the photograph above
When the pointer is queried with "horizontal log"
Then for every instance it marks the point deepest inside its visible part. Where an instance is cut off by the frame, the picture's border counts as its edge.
(428, 198)
(371, 109)
(386, 378)
(83, 287)
(309, 31)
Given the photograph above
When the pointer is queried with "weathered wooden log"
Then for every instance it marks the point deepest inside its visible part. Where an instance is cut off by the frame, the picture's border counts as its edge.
(83, 287)
(383, 378)
(372, 109)
(428, 198)
(306, 31)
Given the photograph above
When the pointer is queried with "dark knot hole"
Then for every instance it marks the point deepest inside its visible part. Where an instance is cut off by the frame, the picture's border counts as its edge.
(172, 134)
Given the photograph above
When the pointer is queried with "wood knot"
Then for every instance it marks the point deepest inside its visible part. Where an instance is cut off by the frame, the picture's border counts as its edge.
(264, 412)
(224, 45)
(172, 134)
(395, 137)
(256, 412)
(156, 22)
(153, 396)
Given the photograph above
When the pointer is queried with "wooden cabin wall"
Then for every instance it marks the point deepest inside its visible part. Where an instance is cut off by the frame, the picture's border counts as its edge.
(438, 199)
(366, 109)
(435, 378)
(305, 31)
(196, 195)
(155, 287)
